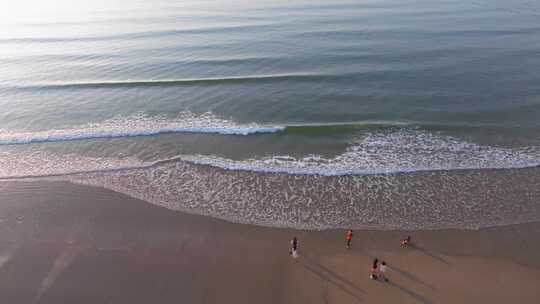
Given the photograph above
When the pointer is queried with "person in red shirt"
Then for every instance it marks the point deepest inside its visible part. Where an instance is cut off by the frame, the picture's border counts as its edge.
(349, 238)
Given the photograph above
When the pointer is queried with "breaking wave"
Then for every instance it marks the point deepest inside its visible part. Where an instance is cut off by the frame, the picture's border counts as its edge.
(383, 151)
(137, 125)
(392, 151)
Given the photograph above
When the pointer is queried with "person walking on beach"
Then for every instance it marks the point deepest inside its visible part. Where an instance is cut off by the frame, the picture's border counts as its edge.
(382, 271)
(373, 274)
(294, 251)
(349, 238)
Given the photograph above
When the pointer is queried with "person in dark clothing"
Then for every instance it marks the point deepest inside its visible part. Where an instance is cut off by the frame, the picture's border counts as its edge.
(374, 268)
(294, 244)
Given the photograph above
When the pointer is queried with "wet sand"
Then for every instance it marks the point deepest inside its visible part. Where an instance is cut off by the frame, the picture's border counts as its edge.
(421, 200)
(64, 243)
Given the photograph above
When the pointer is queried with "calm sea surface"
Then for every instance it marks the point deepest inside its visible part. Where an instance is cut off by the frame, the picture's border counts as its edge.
(304, 89)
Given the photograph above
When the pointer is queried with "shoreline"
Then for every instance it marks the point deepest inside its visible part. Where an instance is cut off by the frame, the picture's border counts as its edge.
(54, 180)
(62, 242)
(469, 199)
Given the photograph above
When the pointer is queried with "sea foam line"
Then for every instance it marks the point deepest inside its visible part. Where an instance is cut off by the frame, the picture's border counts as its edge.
(137, 125)
(389, 152)
(373, 153)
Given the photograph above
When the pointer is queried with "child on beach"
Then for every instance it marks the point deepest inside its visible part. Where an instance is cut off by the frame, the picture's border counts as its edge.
(294, 252)
(382, 271)
(406, 241)
(373, 274)
(349, 238)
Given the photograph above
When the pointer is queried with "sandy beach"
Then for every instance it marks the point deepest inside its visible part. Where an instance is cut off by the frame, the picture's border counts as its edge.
(65, 243)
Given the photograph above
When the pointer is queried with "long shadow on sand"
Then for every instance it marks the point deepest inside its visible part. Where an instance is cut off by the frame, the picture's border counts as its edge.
(333, 274)
(429, 253)
(331, 277)
(411, 277)
(418, 297)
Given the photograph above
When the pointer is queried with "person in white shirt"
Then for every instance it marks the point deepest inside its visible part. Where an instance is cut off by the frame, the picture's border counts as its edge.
(294, 251)
(382, 271)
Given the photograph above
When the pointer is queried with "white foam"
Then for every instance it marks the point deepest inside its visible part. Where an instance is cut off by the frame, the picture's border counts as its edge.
(45, 164)
(137, 125)
(398, 151)
(442, 200)
(384, 152)
(311, 200)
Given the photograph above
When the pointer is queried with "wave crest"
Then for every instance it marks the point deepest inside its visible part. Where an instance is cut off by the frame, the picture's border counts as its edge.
(374, 152)
(390, 151)
(137, 125)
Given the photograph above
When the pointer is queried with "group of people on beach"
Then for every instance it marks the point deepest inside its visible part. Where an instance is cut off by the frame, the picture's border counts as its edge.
(378, 271)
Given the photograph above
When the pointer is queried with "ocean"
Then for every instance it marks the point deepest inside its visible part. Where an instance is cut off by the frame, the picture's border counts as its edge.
(380, 114)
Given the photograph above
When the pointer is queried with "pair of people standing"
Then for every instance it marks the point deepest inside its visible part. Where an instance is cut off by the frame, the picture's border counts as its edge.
(378, 271)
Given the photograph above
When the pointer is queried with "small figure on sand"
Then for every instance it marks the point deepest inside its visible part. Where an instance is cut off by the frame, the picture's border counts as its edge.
(374, 269)
(406, 241)
(294, 251)
(349, 238)
(382, 271)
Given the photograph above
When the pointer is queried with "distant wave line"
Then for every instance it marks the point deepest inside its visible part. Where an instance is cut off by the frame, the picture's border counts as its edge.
(179, 82)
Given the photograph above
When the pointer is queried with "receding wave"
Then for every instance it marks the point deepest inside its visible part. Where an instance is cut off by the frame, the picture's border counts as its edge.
(44, 165)
(137, 125)
(468, 199)
(180, 82)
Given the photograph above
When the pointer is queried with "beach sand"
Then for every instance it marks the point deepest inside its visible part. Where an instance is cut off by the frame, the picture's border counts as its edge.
(65, 243)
